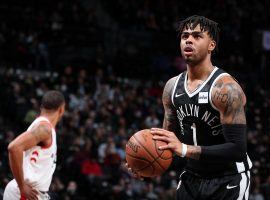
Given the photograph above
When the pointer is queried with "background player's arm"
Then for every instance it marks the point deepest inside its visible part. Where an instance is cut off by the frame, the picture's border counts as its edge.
(40, 134)
(170, 117)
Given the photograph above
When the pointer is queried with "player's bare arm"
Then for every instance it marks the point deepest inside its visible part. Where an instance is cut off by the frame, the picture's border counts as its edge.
(41, 134)
(167, 134)
(170, 117)
(170, 123)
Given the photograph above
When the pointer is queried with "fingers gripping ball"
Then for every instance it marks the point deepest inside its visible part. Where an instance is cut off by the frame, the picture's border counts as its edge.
(144, 157)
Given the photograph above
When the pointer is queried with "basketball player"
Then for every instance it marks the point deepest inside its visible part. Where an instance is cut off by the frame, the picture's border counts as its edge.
(32, 155)
(205, 120)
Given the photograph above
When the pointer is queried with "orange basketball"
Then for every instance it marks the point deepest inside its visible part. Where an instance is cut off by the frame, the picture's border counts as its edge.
(144, 157)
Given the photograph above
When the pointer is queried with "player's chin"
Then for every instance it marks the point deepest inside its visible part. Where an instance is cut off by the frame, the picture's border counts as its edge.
(192, 60)
(187, 55)
(189, 59)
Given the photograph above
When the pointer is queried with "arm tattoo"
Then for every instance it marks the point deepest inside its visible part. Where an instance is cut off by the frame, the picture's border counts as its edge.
(41, 132)
(229, 98)
(170, 117)
(194, 152)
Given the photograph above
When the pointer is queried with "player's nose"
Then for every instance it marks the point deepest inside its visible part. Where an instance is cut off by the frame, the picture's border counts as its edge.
(189, 40)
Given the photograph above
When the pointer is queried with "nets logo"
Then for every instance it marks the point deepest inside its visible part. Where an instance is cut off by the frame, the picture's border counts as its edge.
(203, 97)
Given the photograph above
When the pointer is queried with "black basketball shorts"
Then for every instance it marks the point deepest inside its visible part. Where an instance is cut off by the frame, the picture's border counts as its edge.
(232, 187)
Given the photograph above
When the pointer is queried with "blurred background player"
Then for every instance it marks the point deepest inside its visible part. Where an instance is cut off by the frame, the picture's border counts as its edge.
(32, 155)
(205, 120)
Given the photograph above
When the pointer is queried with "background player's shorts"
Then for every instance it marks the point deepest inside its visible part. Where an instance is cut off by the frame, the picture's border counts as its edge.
(231, 187)
(12, 192)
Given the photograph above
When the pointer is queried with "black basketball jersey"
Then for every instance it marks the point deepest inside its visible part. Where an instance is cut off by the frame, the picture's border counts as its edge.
(199, 124)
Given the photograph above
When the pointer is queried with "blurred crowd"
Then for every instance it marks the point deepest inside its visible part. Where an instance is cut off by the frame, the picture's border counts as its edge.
(103, 111)
(49, 35)
(111, 60)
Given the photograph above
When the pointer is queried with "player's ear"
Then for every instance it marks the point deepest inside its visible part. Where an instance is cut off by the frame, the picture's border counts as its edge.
(212, 45)
(61, 109)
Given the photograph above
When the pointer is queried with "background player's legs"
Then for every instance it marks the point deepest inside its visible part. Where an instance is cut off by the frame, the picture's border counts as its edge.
(12, 191)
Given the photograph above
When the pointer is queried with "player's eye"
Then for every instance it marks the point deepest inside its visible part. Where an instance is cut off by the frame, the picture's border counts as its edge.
(197, 36)
(185, 36)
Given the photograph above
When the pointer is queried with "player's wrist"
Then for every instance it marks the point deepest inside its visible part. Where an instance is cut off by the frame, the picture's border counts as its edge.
(184, 150)
(21, 188)
(20, 185)
(193, 152)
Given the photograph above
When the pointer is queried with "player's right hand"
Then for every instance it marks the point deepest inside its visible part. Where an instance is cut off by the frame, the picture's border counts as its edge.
(135, 175)
(28, 191)
(173, 143)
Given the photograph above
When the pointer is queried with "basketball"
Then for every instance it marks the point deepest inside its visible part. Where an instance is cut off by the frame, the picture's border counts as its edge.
(144, 157)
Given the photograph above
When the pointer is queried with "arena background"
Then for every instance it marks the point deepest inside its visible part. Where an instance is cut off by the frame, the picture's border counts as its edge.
(111, 60)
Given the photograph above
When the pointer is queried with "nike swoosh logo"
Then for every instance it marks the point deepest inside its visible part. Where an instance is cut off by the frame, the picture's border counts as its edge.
(231, 187)
(178, 95)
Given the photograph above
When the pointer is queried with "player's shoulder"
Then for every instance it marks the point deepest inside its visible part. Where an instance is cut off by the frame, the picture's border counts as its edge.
(168, 89)
(227, 91)
(226, 82)
(172, 80)
(170, 83)
(41, 121)
(41, 126)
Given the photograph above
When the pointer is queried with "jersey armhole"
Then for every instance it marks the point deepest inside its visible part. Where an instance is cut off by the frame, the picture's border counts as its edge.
(174, 88)
(211, 88)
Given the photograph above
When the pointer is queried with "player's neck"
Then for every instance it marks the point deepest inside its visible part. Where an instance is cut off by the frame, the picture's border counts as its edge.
(200, 71)
(51, 116)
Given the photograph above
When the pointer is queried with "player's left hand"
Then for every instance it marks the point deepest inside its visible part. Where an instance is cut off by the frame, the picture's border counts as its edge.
(170, 138)
(135, 175)
(28, 191)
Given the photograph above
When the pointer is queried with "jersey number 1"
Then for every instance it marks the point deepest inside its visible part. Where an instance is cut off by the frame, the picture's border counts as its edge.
(193, 127)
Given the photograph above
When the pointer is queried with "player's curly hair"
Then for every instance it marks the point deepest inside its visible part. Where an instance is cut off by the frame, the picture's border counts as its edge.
(206, 25)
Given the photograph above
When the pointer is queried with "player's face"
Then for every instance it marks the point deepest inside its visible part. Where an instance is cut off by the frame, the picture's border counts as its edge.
(196, 45)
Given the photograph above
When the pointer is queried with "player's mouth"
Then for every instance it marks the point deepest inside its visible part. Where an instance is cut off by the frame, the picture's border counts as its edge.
(188, 50)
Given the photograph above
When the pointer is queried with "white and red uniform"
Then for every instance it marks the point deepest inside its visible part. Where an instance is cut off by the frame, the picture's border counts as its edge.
(38, 166)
